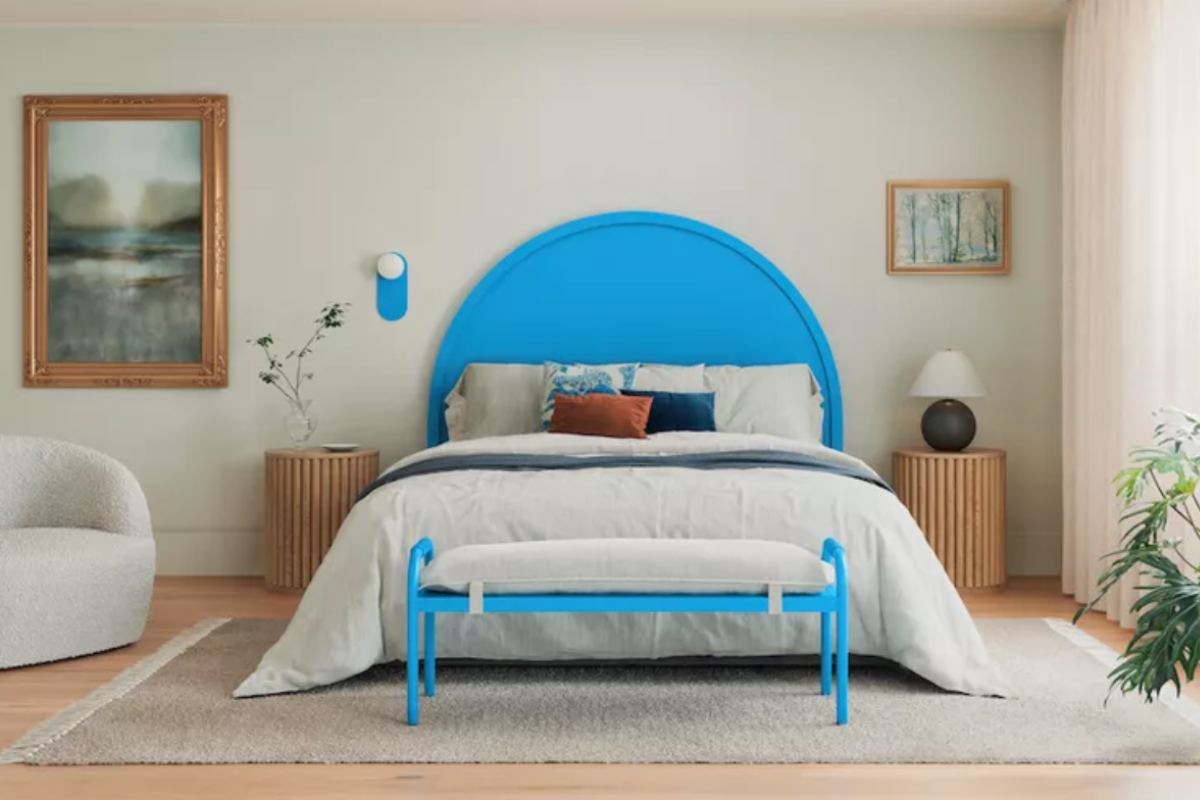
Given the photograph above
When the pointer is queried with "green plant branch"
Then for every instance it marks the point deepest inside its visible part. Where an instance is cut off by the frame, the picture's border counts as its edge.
(332, 316)
(287, 396)
(304, 351)
(1179, 553)
(274, 367)
(277, 368)
(1186, 518)
(1184, 514)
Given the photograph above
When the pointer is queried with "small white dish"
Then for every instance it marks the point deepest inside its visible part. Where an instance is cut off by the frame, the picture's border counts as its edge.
(340, 447)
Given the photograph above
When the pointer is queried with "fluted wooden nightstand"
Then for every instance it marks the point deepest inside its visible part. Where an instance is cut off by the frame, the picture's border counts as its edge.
(958, 500)
(308, 495)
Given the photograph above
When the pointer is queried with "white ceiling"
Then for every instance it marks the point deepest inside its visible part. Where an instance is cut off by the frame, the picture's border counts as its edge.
(569, 12)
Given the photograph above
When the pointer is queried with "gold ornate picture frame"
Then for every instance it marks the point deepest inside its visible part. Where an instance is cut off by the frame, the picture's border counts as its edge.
(125, 268)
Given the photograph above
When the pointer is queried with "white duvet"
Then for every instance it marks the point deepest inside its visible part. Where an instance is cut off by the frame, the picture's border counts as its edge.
(902, 605)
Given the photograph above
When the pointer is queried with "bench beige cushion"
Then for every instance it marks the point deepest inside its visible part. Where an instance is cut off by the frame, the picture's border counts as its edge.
(629, 566)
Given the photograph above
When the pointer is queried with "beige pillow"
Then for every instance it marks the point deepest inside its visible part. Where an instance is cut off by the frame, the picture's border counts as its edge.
(783, 400)
(495, 400)
(669, 378)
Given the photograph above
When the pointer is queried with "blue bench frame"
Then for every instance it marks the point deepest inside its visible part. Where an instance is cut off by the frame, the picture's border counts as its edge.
(830, 603)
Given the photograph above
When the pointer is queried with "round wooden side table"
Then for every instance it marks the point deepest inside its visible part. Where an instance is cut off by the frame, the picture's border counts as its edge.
(958, 500)
(308, 495)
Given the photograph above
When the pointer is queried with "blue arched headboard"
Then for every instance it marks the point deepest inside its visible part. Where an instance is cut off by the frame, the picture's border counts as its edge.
(635, 286)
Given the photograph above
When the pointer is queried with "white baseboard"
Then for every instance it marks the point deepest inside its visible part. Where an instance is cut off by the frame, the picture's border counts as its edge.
(209, 552)
(1035, 553)
(240, 553)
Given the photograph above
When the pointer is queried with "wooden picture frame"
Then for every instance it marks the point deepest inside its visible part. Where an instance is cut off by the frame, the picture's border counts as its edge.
(949, 227)
(125, 241)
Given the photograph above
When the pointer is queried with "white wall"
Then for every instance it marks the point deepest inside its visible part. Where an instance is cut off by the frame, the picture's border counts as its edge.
(454, 145)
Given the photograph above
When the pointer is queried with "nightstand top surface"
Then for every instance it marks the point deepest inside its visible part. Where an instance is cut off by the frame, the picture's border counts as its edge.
(970, 452)
(319, 452)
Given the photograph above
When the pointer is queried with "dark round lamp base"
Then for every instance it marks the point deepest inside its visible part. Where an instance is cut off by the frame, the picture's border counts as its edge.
(948, 425)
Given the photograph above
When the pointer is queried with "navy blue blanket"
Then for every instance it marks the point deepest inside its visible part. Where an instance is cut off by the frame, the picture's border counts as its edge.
(529, 462)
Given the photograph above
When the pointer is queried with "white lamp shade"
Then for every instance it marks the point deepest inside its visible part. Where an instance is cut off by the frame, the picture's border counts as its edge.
(948, 373)
(390, 266)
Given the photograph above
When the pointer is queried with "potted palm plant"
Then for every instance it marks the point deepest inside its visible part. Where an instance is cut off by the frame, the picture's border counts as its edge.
(1158, 492)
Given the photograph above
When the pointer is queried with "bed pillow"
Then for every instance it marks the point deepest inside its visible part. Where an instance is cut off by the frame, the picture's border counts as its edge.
(601, 415)
(783, 400)
(495, 400)
(669, 378)
(507, 399)
(575, 380)
(664, 377)
(679, 411)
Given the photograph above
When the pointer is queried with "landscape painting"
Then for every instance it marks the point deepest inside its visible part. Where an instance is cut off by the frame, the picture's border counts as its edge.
(948, 227)
(125, 216)
(123, 226)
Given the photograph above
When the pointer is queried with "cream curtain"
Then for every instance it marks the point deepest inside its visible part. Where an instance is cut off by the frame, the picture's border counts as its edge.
(1131, 255)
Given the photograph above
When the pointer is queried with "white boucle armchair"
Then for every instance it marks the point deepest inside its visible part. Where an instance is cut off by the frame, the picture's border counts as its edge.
(76, 552)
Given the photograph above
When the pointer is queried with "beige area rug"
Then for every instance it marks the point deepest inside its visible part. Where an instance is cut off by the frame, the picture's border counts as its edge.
(175, 707)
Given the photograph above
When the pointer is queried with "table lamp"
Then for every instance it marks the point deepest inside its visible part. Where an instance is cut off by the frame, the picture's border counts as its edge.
(948, 424)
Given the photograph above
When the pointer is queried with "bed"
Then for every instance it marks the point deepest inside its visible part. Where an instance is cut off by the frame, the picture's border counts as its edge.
(647, 288)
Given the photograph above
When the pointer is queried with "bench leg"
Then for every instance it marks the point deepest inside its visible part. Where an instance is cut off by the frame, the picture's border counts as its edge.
(843, 664)
(826, 653)
(413, 662)
(421, 554)
(430, 653)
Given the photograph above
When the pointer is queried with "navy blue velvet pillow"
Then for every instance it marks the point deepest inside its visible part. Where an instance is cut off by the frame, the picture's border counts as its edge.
(679, 411)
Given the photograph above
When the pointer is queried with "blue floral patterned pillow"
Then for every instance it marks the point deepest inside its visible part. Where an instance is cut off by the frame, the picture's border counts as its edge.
(581, 379)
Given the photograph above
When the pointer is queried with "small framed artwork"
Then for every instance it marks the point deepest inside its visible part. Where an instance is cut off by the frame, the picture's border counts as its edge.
(125, 231)
(948, 228)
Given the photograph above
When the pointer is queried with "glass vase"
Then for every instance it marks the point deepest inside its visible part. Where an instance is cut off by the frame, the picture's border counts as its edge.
(300, 424)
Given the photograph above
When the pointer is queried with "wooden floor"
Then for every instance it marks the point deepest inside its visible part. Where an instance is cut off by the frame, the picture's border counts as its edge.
(27, 696)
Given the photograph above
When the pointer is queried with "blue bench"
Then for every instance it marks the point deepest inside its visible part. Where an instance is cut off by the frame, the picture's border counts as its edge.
(831, 604)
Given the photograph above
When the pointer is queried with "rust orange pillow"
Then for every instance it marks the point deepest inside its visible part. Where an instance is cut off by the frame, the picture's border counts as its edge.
(601, 415)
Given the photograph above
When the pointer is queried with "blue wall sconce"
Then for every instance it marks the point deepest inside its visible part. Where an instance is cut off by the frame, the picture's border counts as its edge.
(391, 286)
